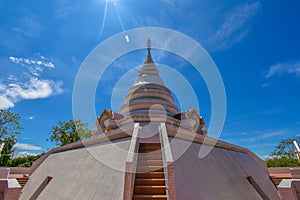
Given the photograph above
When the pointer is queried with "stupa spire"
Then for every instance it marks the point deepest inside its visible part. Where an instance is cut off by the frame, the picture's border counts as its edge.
(149, 58)
(149, 95)
(148, 72)
(149, 45)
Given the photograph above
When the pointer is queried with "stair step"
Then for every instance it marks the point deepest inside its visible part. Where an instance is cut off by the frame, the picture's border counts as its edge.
(150, 144)
(22, 181)
(143, 196)
(140, 169)
(155, 152)
(149, 157)
(150, 181)
(150, 162)
(149, 189)
(149, 148)
(156, 146)
(150, 175)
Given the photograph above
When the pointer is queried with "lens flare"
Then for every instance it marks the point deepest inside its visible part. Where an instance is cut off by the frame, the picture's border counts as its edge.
(119, 16)
(127, 38)
(104, 19)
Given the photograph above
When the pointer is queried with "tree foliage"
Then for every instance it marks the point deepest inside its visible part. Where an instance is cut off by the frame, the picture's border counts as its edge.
(7, 149)
(282, 162)
(23, 161)
(9, 123)
(284, 154)
(285, 149)
(69, 131)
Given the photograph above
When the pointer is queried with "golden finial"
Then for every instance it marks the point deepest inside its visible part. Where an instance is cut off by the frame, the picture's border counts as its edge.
(148, 59)
(149, 44)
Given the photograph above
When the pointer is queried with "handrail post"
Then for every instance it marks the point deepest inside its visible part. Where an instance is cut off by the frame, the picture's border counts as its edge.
(131, 163)
(297, 149)
(167, 162)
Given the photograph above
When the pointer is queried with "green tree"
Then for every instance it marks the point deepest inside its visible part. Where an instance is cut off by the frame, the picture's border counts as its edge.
(285, 149)
(9, 123)
(69, 131)
(23, 161)
(282, 162)
(284, 154)
(9, 128)
(7, 149)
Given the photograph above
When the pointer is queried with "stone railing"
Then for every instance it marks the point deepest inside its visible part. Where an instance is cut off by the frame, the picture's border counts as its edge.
(167, 162)
(131, 163)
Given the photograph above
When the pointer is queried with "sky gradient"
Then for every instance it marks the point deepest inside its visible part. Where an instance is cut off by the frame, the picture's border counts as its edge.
(255, 45)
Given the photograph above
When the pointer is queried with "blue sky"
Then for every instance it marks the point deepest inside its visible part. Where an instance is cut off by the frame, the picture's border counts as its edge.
(255, 45)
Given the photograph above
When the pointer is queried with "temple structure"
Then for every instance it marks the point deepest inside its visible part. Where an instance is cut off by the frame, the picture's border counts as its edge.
(12, 180)
(149, 150)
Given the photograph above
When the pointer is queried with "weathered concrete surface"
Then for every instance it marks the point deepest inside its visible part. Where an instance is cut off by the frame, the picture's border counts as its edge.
(78, 174)
(222, 174)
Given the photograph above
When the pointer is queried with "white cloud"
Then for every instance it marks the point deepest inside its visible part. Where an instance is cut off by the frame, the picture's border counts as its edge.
(29, 84)
(261, 145)
(261, 135)
(33, 89)
(26, 138)
(30, 118)
(15, 60)
(235, 27)
(265, 85)
(49, 64)
(41, 61)
(5, 103)
(281, 69)
(12, 78)
(22, 154)
(25, 146)
(266, 157)
(271, 134)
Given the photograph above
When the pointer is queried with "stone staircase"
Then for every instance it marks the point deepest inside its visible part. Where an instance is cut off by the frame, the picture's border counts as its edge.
(149, 180)
(22, 181)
